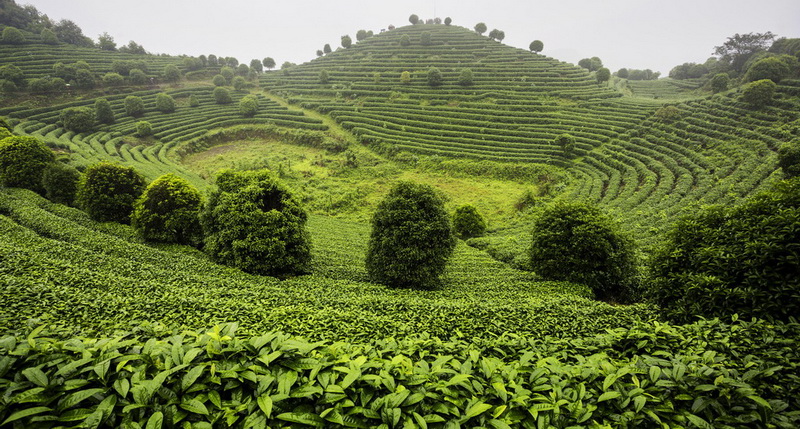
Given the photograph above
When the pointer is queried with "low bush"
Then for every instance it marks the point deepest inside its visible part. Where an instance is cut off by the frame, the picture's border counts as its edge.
(107, 191)
(60, 182)
(468, 223)
(22, 160)
(78, 119)
(168, 211)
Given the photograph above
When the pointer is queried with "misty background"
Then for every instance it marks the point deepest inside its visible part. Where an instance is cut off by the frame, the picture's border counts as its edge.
(639, 34)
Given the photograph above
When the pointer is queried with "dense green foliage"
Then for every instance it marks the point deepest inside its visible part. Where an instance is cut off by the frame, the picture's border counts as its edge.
(468, 222)
(576, 242)
(789, 159)
(536, 46)
(772, 68)
(107, 191)
(168, 211)
(134, 106)
(744, 259)
(78, 119)
(254, 223)
(165, 103)
(248, 106)
(412, 238)
(22, 160)
(719, 82)
(465, 78)
(103, 112)
(60, 182)
(13, 36)
(434, 77)
(144, 129)
(222, 95)
(759, 93)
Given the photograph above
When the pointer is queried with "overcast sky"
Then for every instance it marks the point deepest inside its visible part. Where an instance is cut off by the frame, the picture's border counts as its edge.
(624, 33)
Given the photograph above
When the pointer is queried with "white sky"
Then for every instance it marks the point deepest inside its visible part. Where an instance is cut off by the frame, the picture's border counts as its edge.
(624, 33)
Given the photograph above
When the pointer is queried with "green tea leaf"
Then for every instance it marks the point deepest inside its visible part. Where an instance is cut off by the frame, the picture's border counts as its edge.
(36, 376)
(21, 414)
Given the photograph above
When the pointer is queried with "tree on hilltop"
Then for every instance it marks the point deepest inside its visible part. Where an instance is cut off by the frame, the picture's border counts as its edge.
(413, 19)
(448, 21)
(480, 28)
(346, 41)
(256, 66)
(740, 47)
(497, 35)
(269, 63)
(536, 46)
(602, 75)
(327, 48)
(106, 42)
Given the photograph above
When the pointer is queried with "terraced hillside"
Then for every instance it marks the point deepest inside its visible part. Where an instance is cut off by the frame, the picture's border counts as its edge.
(629, 155)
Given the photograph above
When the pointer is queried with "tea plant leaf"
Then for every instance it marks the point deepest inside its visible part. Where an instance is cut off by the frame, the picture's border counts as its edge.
(36, 376)
(21, 414)
(155, 421)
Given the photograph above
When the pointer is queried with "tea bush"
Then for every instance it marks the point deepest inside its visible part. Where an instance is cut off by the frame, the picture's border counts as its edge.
(168, 211)
(254, 223)
(22, 160)
(467, 222)
(107, 191)
(60, 182)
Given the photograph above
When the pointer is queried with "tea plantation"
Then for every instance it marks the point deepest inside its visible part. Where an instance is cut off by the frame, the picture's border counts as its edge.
(101, 328)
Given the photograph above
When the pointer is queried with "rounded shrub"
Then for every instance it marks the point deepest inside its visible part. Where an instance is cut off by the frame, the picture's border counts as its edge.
(103, 112)
(168, 211)
(412, 238)
(434, 76)
(248, 106)
(567, 143)
(172, 74)
(254, 223)
(22, 160)
(719, 82)
(740, 260)
(468, 223)
(78, 119)
(144, 129)
(60, 182)
(759, 93)
(771, 68)
(113, 79)
(239, 83)
(194, 101)
(137, 77)
(107, 191)
(134, 106)
(13, 36)
(221, 95)
(218, 80)
(165, 103)
(576, 242)
(465, 77)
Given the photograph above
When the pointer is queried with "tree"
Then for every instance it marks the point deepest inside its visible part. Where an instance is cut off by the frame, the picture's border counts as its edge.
(107, 191)
(425, 38)
(448, 21)
(78, 119)
(193, 101)
(144, 129)
(169, 211)
(622, 73)
(759, 93)
(60, 183)
(172, 74)
(405, 77)
(320, 53)
(12, 73)
(242, 70)
(84, 79)
(221, 95)
(771, 68)
(361, 35)
(498, 35)
(133, 48)
(12, 36)
(536, 46)
(113, 79)
(134, 106)
(248, 106)
(227, 73)
(212, 61)
(411, 239)
(591, 64)
(719, 82)
(239, 83)
(22, 160)
(269, 63)
(602, 75)
(327, 48)
(137, 77)
(413, 19)
(480, 28)
(218, 80)
(567, 144)
(254, 223)
(346, 41)
(102, 111)
(106, 42)
(576, 242)
(740, 260)
(405, 40)
(468, 223)
(323, 77)
(434, 77)
(69, 32)
(48, 37)
(256, 65)
(740, 47)
(465, 77)
(165, 103)
(789, 159)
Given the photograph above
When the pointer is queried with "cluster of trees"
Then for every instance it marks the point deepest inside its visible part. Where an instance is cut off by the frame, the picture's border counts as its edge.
(635, 74)
(414, 19)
